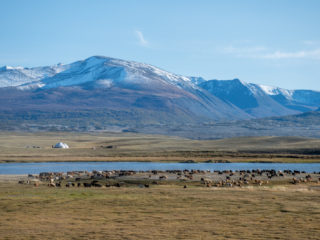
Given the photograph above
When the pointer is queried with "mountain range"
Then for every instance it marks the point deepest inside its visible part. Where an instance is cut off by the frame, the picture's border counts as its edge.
(101, 93)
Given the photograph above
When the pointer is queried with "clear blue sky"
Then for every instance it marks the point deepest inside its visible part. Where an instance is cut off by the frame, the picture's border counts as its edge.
(272, 42)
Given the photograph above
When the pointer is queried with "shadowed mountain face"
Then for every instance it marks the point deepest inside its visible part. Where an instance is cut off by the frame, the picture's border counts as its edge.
(100, 92)
(233, 91)
(263, 101)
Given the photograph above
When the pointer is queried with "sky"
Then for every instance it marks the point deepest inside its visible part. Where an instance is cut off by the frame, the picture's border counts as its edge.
(270, 42)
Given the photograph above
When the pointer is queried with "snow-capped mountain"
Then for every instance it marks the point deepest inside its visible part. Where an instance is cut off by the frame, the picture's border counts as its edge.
(263, 101)
(101, 91)
(15, 76)
(113, 84)
(106, 72)
(301, 100)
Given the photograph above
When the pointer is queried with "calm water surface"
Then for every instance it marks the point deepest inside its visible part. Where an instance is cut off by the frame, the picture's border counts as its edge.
(35, 168)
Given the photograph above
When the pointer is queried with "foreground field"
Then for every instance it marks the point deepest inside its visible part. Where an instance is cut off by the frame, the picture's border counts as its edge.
(37, 147)
(159, 212)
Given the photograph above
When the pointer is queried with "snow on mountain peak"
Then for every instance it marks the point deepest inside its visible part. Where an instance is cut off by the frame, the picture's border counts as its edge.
(277, 91)
(106, 72)
(258, 89)
(92, 69)
(11, 68)
(16, 76)
(96, 69)
(146, 69)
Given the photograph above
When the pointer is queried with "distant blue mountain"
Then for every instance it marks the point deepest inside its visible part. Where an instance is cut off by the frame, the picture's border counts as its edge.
(263, 101)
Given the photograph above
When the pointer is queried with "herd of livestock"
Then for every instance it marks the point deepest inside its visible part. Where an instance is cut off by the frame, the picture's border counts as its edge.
(118, 178)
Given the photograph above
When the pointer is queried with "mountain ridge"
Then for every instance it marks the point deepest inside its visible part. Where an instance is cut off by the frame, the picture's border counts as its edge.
(114, 84)
(261, 100)
(99, 92)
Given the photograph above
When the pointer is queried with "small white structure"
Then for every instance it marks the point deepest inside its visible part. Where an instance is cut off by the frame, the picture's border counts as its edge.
(61, 145)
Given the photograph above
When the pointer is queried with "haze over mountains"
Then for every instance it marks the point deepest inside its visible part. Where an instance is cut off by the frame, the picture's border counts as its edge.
(101, 93)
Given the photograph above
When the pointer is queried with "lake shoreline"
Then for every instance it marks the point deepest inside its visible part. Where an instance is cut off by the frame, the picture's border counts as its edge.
(303, 159)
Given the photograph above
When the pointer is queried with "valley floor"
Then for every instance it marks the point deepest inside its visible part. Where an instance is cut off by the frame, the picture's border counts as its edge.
(37, 147)
(169, 211)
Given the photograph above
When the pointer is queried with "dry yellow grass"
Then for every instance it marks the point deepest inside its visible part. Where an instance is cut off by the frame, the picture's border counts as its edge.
(18, 147)
(160, 212)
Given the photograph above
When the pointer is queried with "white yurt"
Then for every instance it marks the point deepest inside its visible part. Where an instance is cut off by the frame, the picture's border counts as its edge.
(61, 145)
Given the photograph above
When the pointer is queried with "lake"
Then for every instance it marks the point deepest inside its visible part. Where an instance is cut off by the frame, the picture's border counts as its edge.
(35, 168)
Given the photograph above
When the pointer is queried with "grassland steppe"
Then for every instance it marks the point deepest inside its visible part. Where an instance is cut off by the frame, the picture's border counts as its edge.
(278, 210)
(160, 212)
(37, 147)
